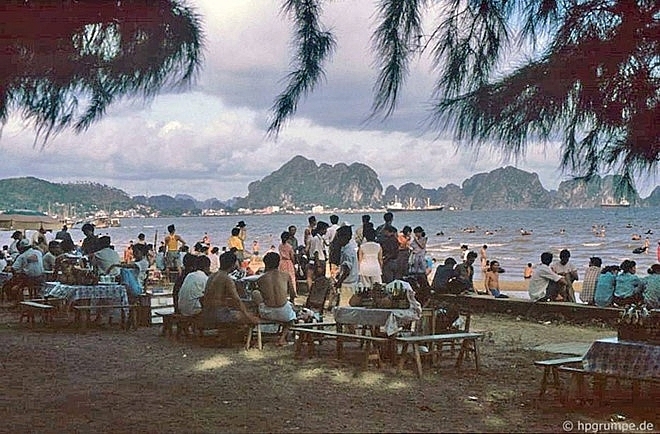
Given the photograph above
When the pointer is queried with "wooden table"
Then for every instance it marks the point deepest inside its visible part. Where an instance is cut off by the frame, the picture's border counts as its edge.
(95, 296)
(621, 360)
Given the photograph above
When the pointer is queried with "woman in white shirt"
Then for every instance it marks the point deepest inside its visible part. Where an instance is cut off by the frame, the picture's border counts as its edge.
(370, 257)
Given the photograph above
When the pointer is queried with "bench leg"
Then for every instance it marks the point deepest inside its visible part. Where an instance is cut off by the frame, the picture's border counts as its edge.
(340, 348)
(371, 352)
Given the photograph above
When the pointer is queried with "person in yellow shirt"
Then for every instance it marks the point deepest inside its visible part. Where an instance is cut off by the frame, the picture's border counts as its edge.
(235, 244)
(172, 256)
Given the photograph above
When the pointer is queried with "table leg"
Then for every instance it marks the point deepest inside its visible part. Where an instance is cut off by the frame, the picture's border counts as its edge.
(402, 357)
(544, 381)
(476, 356)
(418, 359)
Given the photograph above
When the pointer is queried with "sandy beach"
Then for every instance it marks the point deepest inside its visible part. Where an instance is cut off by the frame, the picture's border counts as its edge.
(107, 380)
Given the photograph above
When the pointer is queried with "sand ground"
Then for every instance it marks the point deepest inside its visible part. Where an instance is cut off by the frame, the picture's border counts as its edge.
(59, 379)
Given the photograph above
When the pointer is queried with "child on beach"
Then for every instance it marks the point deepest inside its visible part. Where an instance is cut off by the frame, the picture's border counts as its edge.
(529, 270)
(492, 282)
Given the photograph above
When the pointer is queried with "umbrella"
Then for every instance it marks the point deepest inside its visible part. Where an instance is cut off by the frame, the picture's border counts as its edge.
(22, 219)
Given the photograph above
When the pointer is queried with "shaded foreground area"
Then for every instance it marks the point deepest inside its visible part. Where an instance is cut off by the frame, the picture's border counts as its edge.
(101, 380)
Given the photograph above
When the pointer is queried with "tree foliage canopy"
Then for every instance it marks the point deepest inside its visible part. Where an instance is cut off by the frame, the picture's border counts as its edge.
(593, 82)
(64, 62)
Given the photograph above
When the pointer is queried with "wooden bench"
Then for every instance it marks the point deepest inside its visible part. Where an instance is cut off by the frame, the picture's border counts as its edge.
(184, 324)
(435, 343)
(30, 308)
(126, 323)
(306, 339)
(550, 369)
(371, 349)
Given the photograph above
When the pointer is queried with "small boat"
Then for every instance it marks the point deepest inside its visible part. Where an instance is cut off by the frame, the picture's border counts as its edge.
(611, 203)
(106, 222)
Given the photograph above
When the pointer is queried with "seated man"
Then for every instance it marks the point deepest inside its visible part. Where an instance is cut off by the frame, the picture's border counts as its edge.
(28, 271)
(275, 287)
(105, 259)
(221, 302)
(54, 250)
(192, 289)
(443, 276)
(466, 272)
(544, 284)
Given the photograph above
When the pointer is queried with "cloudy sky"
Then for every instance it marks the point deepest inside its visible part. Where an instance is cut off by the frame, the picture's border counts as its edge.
(210, 141)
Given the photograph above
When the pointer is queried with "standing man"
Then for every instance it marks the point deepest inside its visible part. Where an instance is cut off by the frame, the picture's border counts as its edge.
(540, 288)
(242, 232)
(172, 255)
(334, 225)
(64, 235)
(307, 236)
(317, 253)
(568, 271)
(235, 244)
(292, 238)
(275, 295)
(89, 244)
(359, 232)
(348, 276)
(388, 218)
(390, 246)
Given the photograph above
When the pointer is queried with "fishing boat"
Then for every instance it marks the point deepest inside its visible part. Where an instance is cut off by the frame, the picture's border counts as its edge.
(611, 203)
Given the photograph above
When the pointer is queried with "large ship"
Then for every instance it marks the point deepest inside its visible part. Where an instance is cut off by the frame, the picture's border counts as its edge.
(611, 203)
(397, 206)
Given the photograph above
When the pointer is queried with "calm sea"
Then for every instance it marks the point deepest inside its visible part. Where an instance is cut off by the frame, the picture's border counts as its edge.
(552, 230)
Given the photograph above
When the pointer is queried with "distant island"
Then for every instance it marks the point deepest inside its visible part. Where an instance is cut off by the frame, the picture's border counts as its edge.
(301, 185)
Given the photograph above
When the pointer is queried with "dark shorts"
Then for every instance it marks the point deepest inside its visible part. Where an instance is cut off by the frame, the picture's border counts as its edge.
(173, 260)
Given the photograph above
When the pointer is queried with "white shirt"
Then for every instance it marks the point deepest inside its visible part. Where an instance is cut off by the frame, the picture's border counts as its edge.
(330, 233)
(30, 262)
(317, 244)
(539, 281)
(192, 289)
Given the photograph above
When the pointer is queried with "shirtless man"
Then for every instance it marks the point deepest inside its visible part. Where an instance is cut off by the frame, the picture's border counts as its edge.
(492, 280)
(221, 302)
(275, 287)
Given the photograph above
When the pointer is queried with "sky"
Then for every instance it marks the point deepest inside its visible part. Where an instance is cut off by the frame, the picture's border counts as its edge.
(209, 140)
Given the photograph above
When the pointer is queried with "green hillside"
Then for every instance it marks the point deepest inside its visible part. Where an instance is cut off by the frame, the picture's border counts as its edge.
(33, 193)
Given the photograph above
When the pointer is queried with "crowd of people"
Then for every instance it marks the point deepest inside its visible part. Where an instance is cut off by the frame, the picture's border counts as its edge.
(353, 258)
(611, 285)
